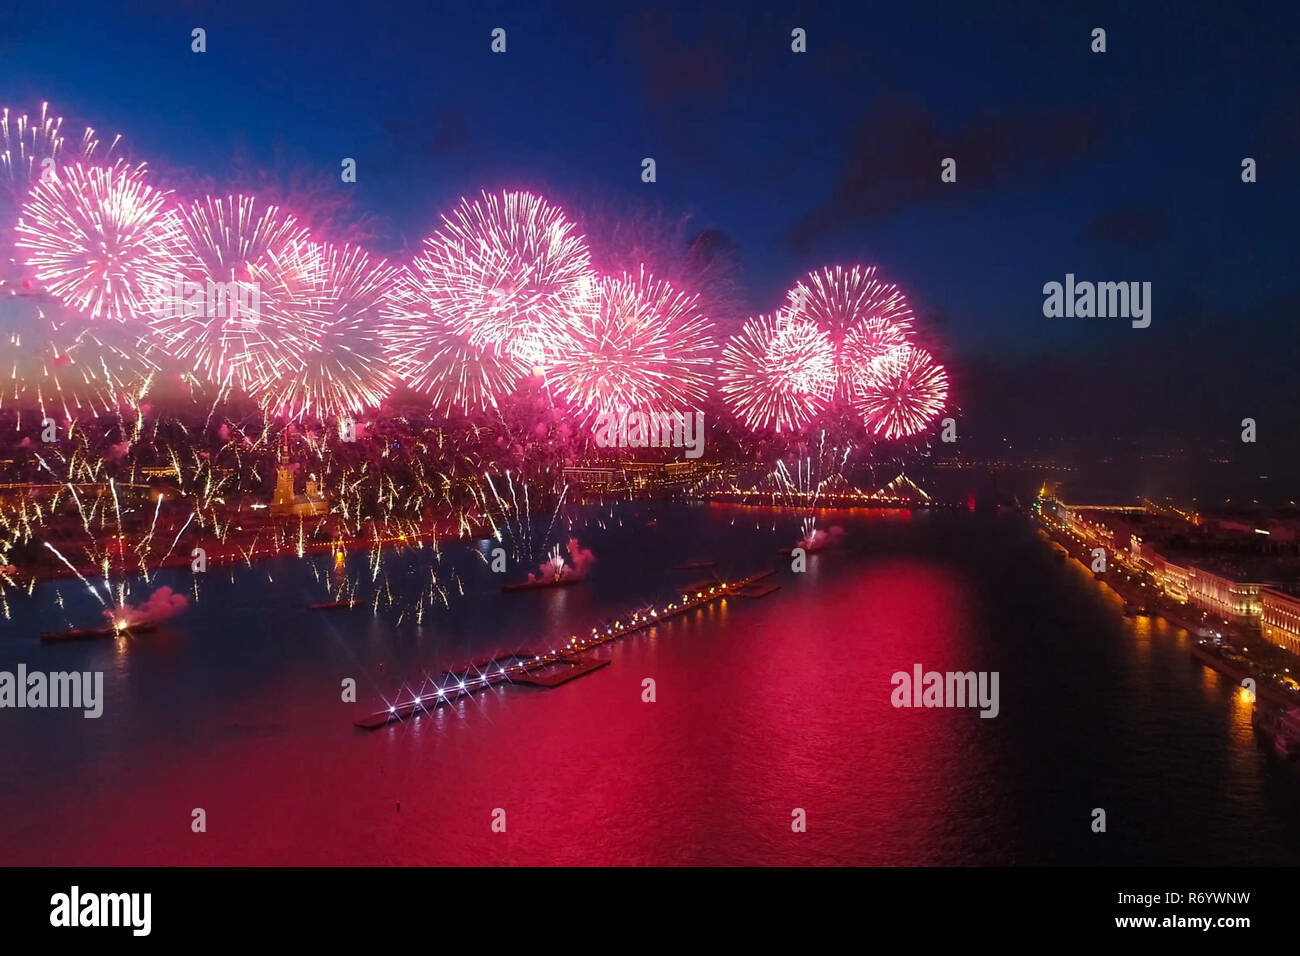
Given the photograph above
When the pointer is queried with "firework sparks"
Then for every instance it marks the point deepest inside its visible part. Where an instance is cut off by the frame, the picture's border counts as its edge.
(855, 309)
(430, 357)
(506, 271)
(31, 148)
(638, 345)
(346, 371)
(904, 390)
(778, 372)
(238, 311)
(98, 238)
(866, 342)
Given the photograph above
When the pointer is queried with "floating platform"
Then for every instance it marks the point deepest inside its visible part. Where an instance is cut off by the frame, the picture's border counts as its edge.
(557, 666)
(538, 585)
(96, 633)
(761, 591)
(515, 668)
(336, 605)
(562, 672)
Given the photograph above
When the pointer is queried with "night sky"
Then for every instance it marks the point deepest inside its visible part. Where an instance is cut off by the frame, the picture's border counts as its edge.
(1117, 166)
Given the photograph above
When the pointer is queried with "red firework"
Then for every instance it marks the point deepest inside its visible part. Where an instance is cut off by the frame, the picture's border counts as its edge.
(506, 270)
(98, 238)
(238, 309)
(346, 369)
(778, 373)
(429, 356)
(637, 345)
(903, 391)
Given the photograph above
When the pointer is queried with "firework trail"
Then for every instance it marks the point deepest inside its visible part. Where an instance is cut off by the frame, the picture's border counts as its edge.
(429, 356)
(512, 523)
(98, 238)
(73, 568)
(33, 147)
(903, 392)
(814, 475)
(346, 370)
(638, 345)
(238, 311)
(778, 373)
(507, 271)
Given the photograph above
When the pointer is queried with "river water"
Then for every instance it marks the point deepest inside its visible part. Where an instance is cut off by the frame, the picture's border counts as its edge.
(763, 707)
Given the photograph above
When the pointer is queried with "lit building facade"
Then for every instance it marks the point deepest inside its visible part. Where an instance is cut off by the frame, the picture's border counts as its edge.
(1280, 619)
(1172, 578)
(1223, 596)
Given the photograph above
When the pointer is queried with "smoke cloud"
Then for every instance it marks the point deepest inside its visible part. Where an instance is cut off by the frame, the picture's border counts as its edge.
(160, 605)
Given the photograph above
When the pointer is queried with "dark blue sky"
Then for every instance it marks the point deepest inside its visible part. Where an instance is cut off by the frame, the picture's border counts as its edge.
(1122, 166)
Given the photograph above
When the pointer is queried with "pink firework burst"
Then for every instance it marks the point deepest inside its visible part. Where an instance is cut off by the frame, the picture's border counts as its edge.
(903, 391)
(429, 356)
(778, 373)
(638, 345)
(98, 237)
(238, 310)
(507, 270)
(346, 369)
(857, 310)
(866, 342)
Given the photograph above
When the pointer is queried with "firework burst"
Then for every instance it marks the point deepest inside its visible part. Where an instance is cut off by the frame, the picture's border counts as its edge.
(638, 344)
(903, 391)
(857, 311)
(507, 270)
(866, 342)
(98, 238)
(778, 373)
(429, 356)
(239, 310)
(346, 369)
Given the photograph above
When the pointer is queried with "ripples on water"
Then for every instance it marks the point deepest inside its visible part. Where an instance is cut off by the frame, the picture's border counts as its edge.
(763, 707)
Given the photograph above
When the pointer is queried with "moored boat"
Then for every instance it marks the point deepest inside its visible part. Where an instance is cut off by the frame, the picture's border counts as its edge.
(542, 583)
(95, 633)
